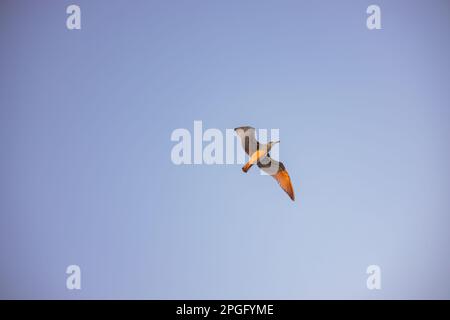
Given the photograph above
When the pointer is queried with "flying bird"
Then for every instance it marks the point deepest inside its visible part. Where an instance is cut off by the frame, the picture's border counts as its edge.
(259, 154)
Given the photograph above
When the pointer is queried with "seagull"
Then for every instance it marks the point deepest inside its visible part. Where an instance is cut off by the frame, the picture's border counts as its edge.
(259, 154)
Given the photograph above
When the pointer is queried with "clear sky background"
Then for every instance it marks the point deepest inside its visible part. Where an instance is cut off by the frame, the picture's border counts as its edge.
(86, 175)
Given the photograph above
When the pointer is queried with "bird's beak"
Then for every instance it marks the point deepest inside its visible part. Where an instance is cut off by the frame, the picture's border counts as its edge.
(276, 142)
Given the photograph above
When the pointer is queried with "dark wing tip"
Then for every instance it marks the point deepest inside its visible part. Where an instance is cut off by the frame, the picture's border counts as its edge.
(245, 128)
(292, 196)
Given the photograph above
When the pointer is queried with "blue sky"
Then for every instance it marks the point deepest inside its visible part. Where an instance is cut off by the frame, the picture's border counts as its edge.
(85, 123)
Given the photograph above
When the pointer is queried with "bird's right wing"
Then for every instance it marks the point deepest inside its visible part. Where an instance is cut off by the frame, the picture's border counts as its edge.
(248, 139)
(278, 172)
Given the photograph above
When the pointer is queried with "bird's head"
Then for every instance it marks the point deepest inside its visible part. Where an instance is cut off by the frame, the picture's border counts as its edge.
(272, 143)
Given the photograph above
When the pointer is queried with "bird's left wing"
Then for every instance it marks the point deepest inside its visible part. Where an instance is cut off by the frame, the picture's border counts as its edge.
(278, 171)
(248, 139)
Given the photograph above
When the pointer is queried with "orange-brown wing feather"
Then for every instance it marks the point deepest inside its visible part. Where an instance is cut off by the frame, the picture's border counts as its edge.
(285, 183)
(278, 171)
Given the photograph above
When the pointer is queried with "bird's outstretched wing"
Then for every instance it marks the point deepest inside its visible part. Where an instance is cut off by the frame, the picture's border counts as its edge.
(278, 171)
(248, 139)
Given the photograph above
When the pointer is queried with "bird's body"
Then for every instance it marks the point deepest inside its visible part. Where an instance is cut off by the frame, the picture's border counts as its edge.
(259, 154)
(262, 151)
